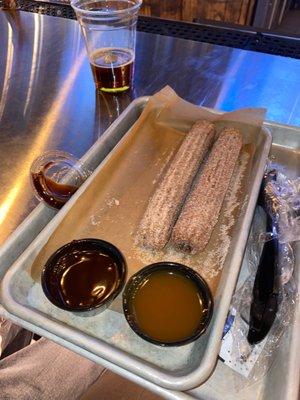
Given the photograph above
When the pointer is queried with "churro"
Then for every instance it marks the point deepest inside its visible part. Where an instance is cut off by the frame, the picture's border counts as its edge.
(164, 206)
(201, 210)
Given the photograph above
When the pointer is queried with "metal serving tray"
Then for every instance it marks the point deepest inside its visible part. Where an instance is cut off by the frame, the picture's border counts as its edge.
(203, 353)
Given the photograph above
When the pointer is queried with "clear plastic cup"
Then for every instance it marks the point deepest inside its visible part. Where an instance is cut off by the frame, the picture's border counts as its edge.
(109, 30)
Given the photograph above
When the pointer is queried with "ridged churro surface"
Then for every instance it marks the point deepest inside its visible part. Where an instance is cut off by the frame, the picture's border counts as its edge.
(201, 210)
(164, 206)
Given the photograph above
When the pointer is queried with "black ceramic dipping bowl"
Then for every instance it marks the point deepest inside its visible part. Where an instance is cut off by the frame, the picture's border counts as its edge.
(84, 275)
(137, 281)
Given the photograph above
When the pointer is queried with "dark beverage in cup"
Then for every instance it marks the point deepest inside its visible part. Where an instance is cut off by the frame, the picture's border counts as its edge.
(112, 69)
(109, 30)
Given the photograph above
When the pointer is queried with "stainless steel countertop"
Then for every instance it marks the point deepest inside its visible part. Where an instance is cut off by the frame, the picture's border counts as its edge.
(48, 99)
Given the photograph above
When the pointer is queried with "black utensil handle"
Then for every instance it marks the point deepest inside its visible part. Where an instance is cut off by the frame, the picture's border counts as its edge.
(265, 294)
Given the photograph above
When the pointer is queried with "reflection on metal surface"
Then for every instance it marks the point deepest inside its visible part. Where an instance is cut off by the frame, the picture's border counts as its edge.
(55, 110)
(8, 68)
(109, 107)
(5, 206)
(257, 80)
(8, 202)
(36, 53)
(48, 98)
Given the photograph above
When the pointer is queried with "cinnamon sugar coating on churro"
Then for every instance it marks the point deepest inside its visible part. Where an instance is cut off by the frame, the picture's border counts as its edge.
(164, 206)
(201, 210)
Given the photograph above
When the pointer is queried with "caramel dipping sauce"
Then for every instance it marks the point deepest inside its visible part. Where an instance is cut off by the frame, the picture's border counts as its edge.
(168, 307)
(84, 274)
(167, 304)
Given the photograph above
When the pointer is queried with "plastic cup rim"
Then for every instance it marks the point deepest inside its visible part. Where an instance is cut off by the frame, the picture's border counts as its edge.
(74, 3)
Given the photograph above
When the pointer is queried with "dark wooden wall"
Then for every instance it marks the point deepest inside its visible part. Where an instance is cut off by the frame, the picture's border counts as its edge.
(232, 11)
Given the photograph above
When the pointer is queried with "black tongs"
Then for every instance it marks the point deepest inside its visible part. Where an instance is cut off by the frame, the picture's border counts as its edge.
(265, 293)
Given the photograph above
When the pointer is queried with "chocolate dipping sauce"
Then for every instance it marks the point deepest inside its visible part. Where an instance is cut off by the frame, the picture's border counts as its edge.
(89, 278)
(53, 193)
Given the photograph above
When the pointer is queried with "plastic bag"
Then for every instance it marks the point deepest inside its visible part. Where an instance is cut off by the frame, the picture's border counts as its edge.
(282, 202)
